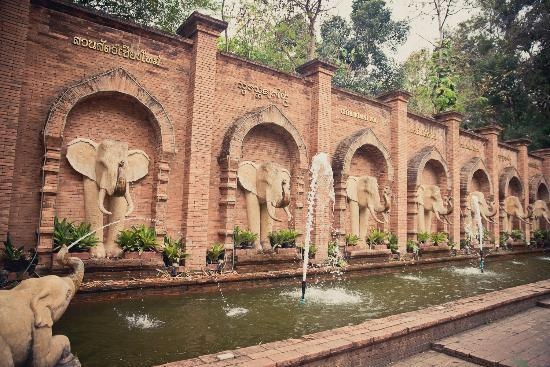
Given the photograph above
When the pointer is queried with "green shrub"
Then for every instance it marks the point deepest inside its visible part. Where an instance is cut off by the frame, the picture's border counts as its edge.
(503, 238)
(411, 246)
(438, 238)
(392, 242)
(283, 238)
(138, 239)
(423, 237)
(541, 235)
(243, 238)
(517, 235)
(352, 239)
(312, 249)
(65, 233)
(173, 251)
(333, 249)
(215, 253)
(376, 237)
(12, 253)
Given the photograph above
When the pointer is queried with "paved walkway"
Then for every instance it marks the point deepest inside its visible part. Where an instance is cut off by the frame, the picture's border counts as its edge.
(522, 340)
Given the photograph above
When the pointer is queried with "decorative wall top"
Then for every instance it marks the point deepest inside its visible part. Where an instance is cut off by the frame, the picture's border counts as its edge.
(260, 92)
(121, 50)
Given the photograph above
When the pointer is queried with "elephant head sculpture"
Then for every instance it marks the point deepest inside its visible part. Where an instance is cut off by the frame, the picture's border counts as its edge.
(511, 208)
(364, 199)
(267, 187)
(540, 211)
(487, 209)
(108, 168)
(430, 202)
(28, 313)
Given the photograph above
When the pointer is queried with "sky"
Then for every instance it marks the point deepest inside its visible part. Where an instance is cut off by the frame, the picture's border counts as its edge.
(422, 28)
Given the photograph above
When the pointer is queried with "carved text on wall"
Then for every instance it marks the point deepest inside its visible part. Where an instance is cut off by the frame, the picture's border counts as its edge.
(260, 92)
(121, 50)
(534, 165)
(469, 145)
(425, 131)
(360, 116)
(505, 159)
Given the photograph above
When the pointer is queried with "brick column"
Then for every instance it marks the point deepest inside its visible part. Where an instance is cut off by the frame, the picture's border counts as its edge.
(523, 169)
(398, 100)
(452, 121)
(204, 31)
(14, 22)
(491, 153)
(545, 154)
(320, 74)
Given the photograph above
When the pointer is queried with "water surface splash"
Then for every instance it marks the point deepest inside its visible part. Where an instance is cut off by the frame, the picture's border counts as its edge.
(140, 321)
(329, 296)
(321, 174)
(472, 271)
(235, 311)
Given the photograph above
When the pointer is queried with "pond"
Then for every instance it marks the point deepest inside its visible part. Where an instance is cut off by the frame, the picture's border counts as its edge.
(147, 330)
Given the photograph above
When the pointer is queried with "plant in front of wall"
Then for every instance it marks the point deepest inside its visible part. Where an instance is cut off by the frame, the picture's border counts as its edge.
(423, 237)
(138, 239)
(517, 235)
(285, 238)
(243, 238)
(215, 253)
(411, 246)
(66, 233)
(312, 250)
(16, 259)
(376, 237)
(439, 238)
(173, 251)
(352, 239)
(392, 242)
(334, 257)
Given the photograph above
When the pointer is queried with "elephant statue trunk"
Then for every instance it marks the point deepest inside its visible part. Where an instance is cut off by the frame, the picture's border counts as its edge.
(74, 263)
(444, 212)
(120, 186)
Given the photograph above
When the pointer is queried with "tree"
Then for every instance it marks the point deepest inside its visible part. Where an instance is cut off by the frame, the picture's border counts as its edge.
(359, 48)
(164, 14)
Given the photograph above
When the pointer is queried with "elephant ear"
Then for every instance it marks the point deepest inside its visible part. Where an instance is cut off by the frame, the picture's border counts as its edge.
(81, 154)
(41, 309)
(420, 195)
(351, 188)
(138, 165)
(247, 174)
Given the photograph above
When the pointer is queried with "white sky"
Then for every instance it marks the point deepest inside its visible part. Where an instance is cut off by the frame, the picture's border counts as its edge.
(421, 28)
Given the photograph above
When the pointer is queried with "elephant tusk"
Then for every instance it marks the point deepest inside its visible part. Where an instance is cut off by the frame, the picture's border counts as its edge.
(373, 213)
(288, 214)
(271, 211)
(547, 219)
(437, 216)
(100, 200)
(129, 200)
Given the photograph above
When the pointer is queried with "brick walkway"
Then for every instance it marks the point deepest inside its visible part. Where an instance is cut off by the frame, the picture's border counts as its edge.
(522, 340)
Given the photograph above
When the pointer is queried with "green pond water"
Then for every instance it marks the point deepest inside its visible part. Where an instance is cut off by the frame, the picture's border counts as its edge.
(146, 330)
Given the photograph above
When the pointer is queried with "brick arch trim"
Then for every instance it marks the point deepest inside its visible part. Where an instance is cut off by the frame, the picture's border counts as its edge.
(467, 174)
(341, 161)
(534, 184)
(418, 162)
(232, 144)
(504, 181)
(115, 80)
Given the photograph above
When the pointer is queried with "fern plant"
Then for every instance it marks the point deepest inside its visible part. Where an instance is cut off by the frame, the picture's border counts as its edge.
(439, 238)
(376, 237)
(138, 239)
(352, 239)
(423, 237)
(66, 233)
(215, 253)
(173, 251)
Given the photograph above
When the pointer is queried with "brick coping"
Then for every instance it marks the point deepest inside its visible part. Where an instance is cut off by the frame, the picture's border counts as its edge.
(449, 318)
(201, 280)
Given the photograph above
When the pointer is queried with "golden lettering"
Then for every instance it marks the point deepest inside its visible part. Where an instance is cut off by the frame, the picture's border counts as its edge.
(259, 92)
(358, 115)
(534, 165)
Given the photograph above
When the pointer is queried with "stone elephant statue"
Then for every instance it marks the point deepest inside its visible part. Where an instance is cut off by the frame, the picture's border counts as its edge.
(511, 207)
(540, 211)
(487, 209)
(27, 313)
(108, 168)
(267, 186)
(430, 202)
(364, 198)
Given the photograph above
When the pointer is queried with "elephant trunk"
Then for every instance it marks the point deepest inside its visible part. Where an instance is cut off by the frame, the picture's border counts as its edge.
(286, 197)
(101, 199)
(373, 213)
(121, 183)
(129, 200)
(271, 210)
(75, 263)
(444, 212)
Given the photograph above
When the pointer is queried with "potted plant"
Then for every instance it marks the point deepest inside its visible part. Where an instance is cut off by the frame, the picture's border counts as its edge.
(15, 259)
(423, 238)
(312, 250)
(137, 240)
(376, 237)
(173, 252)
(66, 233)
(284, 238)
(352, 239)
(392, 243)
(439, 238)
(215, 255)
(243, 239)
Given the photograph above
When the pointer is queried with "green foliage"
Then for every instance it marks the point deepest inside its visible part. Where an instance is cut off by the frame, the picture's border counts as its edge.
(411, 246)
(283, 238)
(138, 239)
(215, 253)
(164, 14)
(443, 79)
(541, 235)
(376, 237)
(312, 249)
(503, 238)
(12, 253)
(243, 238)
(392, 242)
(517, 235)
(423, 237)
(65, 233)
(438, 238)
(352, 239)
(333, 249)
(173, 251)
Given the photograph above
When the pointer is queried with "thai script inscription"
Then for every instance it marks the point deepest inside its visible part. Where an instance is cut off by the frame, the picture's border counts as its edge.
(121, 50)
(425, 131)
(260, 92)
(358, 115)
(504, 158)
(469, 145)
(534, 165)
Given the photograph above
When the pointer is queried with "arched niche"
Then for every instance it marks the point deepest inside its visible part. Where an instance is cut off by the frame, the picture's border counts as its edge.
(539, 189)
(474, 176)
(263, 134)
(361, 153)
(428, 167)
(510, 183)
(117, 82)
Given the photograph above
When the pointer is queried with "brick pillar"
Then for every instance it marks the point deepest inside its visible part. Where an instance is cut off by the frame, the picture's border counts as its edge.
(398, 100)
(491, 153)
(204, 31)
(14, 22)
(545, 154)
(523, 169)
(320, 74)
(452, 121)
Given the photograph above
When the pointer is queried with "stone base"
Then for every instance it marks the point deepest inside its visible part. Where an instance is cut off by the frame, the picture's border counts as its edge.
(378, 254)
(432, 251)
(253, 260)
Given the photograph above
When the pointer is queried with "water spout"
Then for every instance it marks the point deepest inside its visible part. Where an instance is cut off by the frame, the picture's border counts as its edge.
(321, 173)
(477, 218)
